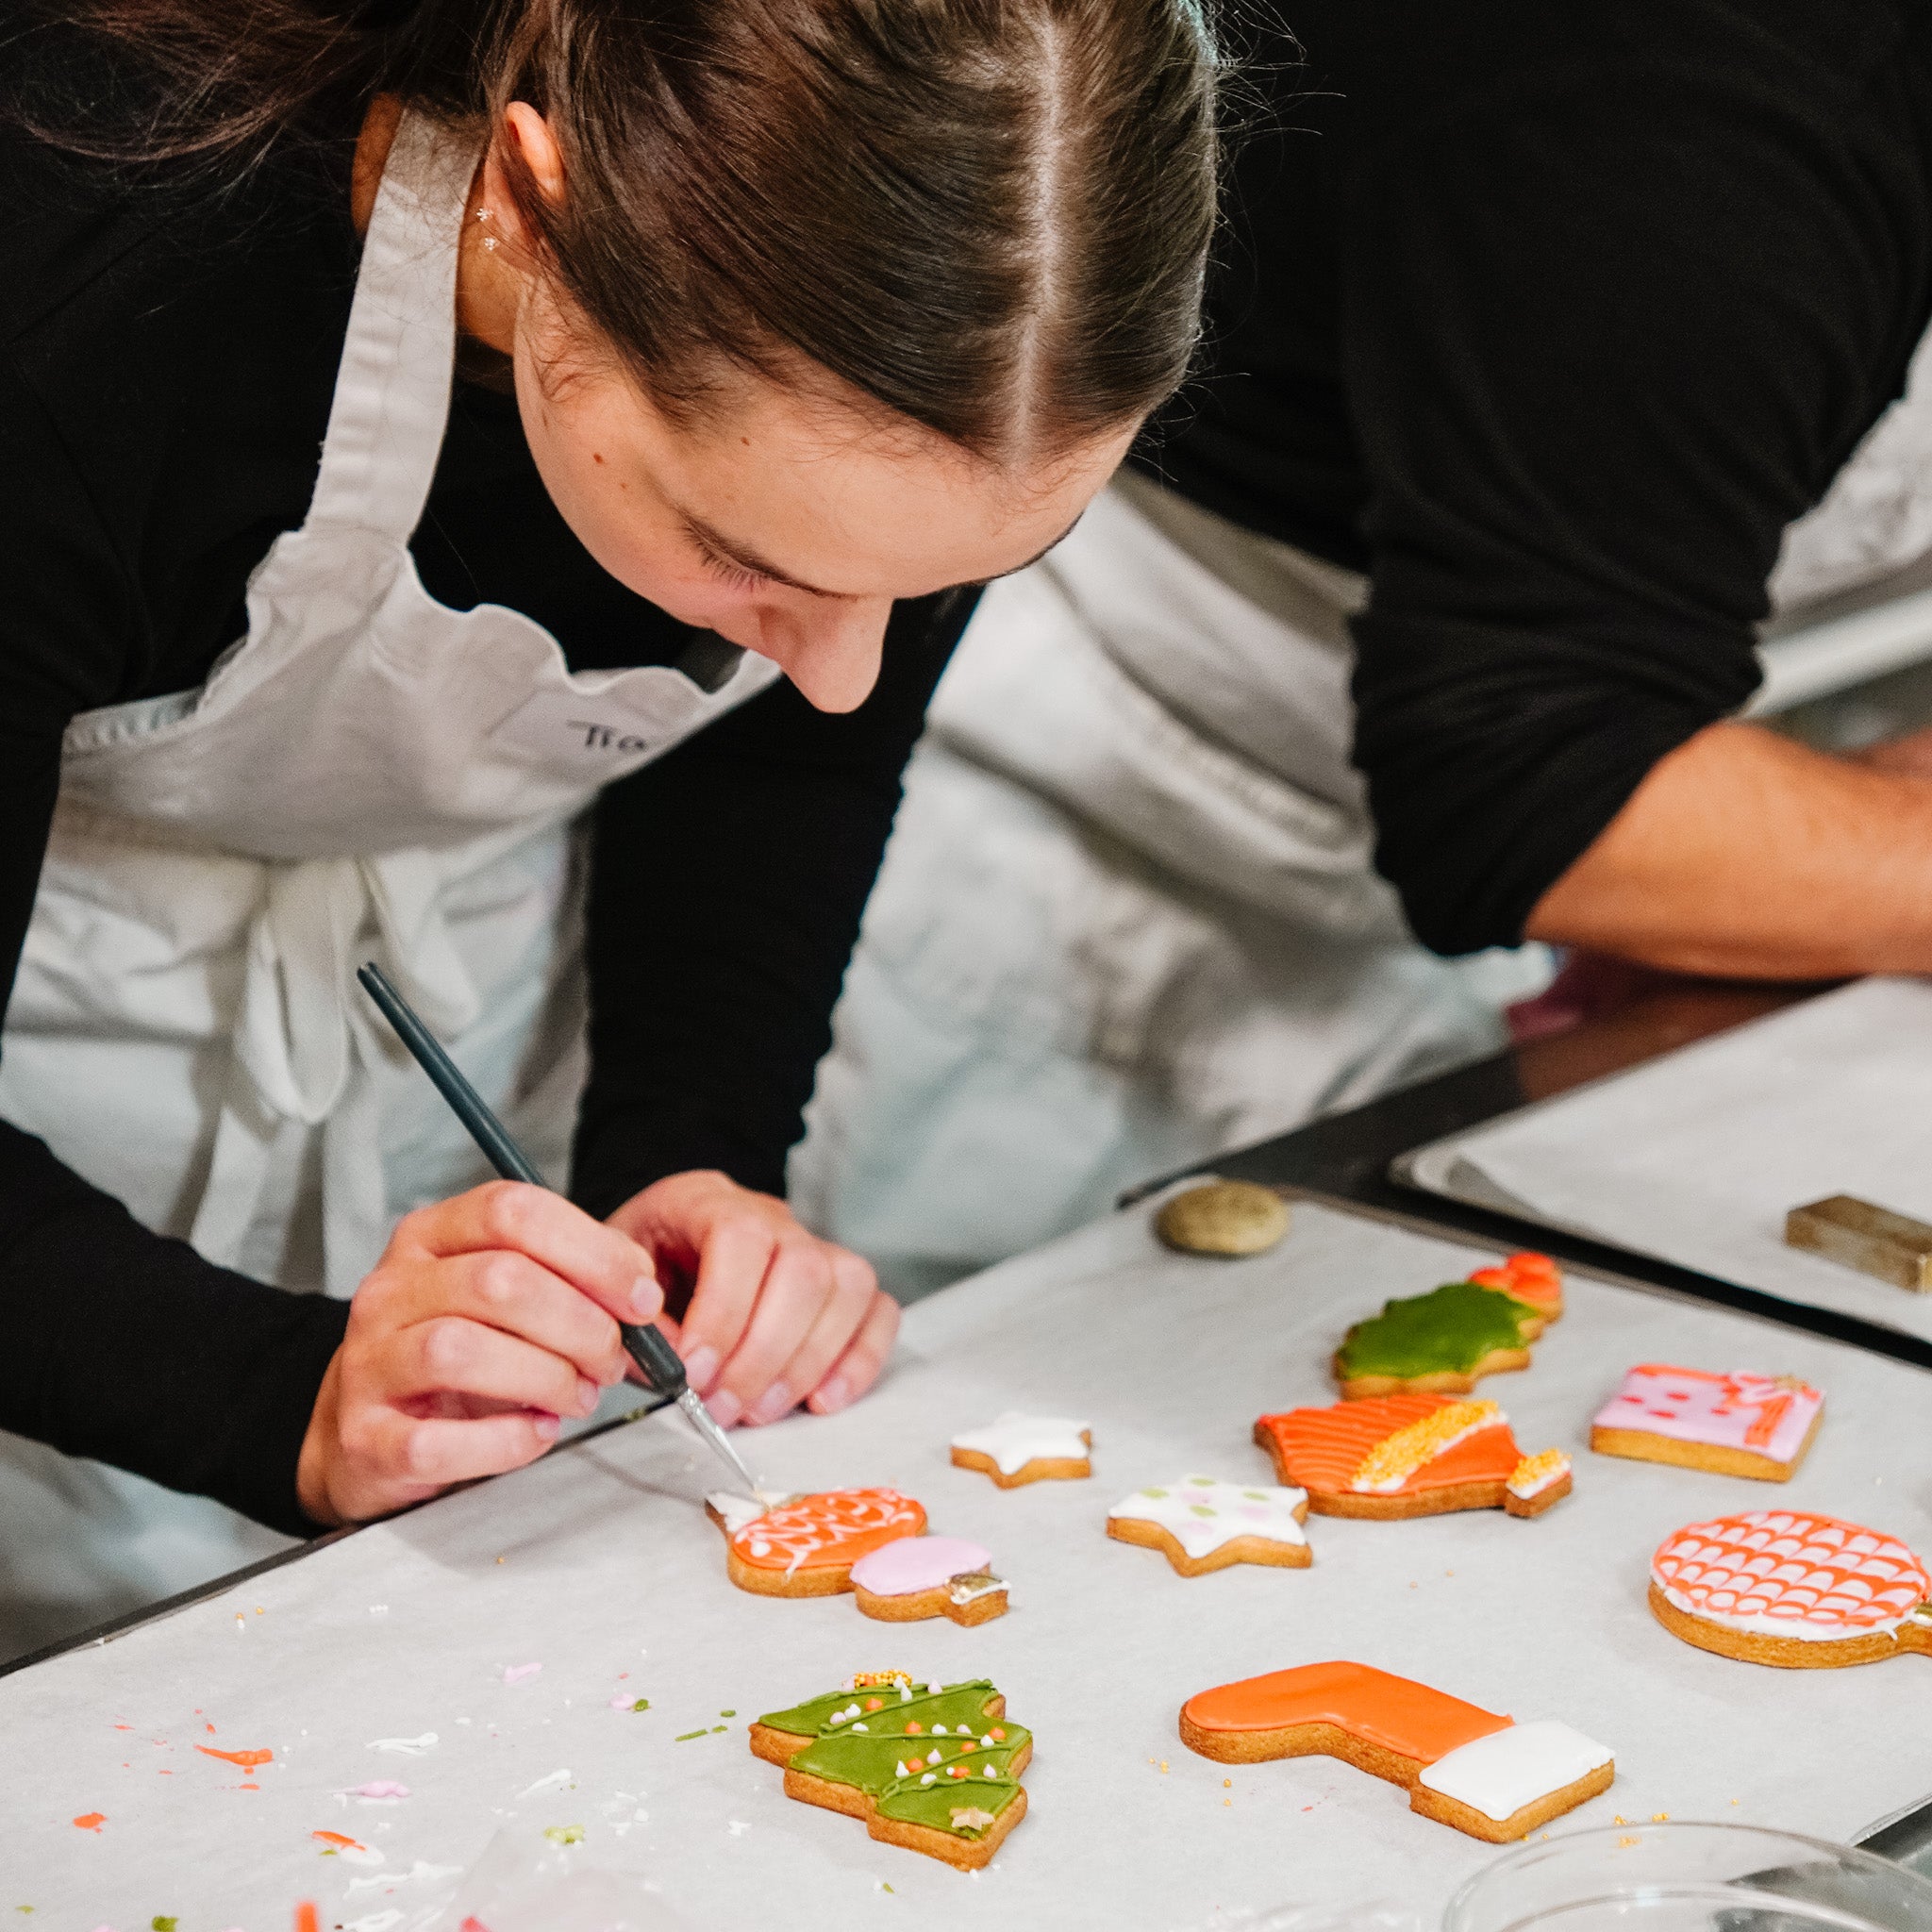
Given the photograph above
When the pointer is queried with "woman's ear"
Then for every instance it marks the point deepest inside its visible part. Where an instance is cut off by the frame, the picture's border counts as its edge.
(535, 148)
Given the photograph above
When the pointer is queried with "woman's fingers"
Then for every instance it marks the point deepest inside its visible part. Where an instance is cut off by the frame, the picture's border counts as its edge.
(841, 1315)
(598, 1260)
(515, 1294)
(452, 1356)
(428, 1453)
(735, 1249)
(859, 1368)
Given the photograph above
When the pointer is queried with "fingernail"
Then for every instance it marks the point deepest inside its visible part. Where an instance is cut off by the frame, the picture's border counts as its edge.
(548, 1426)
(700, 1366)
(777, 1400)
(588, 1394)
(725, 1406)
(834, 1393)
(645, 1299)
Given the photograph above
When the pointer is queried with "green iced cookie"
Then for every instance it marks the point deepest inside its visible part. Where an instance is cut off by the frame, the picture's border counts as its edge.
(1447, 1331)
(965, 1806)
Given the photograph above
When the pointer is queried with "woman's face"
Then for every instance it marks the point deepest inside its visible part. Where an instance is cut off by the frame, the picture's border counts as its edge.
(787, 522)
(786, 519)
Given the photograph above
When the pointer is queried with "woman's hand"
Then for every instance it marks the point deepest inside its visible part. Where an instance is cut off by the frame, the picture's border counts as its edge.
(777, 1316)
(489, 1318)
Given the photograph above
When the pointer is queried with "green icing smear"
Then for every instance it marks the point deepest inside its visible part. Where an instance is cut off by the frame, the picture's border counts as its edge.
(1452, 1329)
(892, 1764)
(953, 1703)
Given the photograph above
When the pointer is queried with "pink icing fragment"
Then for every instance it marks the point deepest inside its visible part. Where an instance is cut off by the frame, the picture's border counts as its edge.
(917, 1562)
(379, 1788)
(515, 1674)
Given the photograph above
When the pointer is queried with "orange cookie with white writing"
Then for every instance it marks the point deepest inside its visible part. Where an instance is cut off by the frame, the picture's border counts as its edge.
(1482, 1772)
(806, 1545)
(1397, 1455)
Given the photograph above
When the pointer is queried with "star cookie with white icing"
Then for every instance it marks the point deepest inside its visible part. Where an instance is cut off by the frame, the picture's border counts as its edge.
(1019, 1449)
(1200, 1525)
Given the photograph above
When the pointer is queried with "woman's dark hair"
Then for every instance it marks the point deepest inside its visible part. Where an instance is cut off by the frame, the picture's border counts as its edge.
(989, 215)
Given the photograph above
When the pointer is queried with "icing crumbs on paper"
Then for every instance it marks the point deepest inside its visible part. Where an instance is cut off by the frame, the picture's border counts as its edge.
(409, 1747)
(564, 1834)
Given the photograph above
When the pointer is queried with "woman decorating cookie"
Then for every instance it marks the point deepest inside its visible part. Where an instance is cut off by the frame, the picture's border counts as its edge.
(490, 487)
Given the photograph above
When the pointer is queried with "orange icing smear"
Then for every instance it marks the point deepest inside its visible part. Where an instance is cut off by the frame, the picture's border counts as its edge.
(1530, 1276)
(1320, 1449)
(1786, 1572)
(246, 1759)
(828, 1531)
(1400, 1715)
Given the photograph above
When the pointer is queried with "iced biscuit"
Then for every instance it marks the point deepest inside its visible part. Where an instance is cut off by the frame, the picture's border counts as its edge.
(1200, 1525)
(1462, 1765)
(930, 1768)
(1737, 1424)
(1395, 1456)
(1798, 1592)
(1019, 1449)
(919, 1576)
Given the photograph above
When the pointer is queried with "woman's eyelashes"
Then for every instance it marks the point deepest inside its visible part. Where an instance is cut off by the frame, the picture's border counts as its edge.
(723, 568)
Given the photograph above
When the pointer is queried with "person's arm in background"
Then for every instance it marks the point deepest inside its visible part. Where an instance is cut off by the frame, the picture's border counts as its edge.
(1610, 333)
(1745, 856)
(727, 882)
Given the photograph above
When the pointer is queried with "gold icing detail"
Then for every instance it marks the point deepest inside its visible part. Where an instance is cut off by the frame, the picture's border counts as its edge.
(1538, 1471)
(1396, 1457)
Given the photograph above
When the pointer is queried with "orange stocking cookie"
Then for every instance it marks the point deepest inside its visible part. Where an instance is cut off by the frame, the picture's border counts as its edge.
(1781, 1587)
(1463, 1766)
(1394, 1455)
(806, 1545)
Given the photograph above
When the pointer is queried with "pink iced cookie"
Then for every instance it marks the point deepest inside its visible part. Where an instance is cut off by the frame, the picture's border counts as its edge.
(1736, 1425)
(921, 1576)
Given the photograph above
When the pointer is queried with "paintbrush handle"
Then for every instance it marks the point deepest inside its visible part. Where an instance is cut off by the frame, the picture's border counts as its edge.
(647, 1346)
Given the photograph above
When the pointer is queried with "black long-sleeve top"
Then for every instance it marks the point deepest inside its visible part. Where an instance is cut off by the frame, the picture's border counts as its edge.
(1551, 319)
(168, 355)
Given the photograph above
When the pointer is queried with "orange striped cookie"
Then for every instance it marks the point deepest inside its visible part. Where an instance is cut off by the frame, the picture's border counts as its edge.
(1396, 1456)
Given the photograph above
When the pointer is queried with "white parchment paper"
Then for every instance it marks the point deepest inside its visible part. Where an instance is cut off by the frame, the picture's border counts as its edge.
(598, 1565)
(1697, 1156)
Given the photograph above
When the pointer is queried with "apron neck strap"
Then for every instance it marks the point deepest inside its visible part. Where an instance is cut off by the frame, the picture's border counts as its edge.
(391, 399)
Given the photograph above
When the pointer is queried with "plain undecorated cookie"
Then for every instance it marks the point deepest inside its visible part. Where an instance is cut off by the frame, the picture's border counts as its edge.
(1227, 1218)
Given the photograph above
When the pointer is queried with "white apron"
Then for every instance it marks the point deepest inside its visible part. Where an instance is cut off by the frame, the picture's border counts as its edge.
(1128, 916)
(367, 773)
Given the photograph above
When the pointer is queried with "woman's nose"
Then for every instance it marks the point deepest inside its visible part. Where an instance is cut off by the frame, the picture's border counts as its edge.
(830, 651)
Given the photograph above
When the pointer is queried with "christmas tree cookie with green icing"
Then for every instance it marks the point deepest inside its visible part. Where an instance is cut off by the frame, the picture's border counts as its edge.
(933, 1768)
(1444, 1342)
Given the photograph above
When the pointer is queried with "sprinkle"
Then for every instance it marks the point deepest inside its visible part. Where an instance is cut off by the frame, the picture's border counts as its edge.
(515, 1674)
(163, 1923)
(1396, 1457)
(91, 1820)
(727, 1713)
(716, 1728)
(377, 1788)
(340, 1840)
(564, 1834)
(685, 1736)
(246, 1759)
(1659, 1817)
(1630, 1842)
